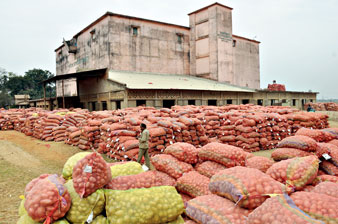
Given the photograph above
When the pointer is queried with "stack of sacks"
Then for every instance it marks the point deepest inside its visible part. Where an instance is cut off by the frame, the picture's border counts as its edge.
(316, 134)
(307, 120)
(90, 135)
(193, 184)
(47, 125)
(73, 119)
(5, 122)
(72, 136)
(29, 124)
(276, 87)
(59, 133)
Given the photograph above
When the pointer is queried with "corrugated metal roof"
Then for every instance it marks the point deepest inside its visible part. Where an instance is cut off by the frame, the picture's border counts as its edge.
(137, 80)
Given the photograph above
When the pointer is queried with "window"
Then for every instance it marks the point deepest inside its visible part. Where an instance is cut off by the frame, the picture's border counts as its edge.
(260, 102)
(311, 101)
(245, 101)
(104, 105)
(234, 43)
(294, 102)
(118, 105)
(191, 102)
(272, 102)
(229, 101)
(92, 34)
(212, 102)
(135, 30)
(168, 103)
(140, 103)
(93, 106)
(303, 102)
(283, 100)
(179, 38)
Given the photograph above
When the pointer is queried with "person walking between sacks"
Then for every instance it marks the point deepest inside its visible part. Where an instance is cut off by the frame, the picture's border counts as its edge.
(144, 145)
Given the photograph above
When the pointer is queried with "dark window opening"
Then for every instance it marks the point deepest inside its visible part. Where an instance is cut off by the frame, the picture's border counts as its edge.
(93, 106)
(118, 105)
(229, 101)
(168, 103)
(260, 102)
(294, 102)
(245, 101)
(135, 31)
(179, 38)
(140, 103)
(311, 101)
(212, 102)
(191, 102)
(104, 105)
(283, 100)
(234, 43)
(303, 102)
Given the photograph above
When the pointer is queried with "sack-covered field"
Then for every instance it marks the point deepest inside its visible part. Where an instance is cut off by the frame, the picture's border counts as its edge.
(90, 173)
(295, 173)
(193, 184)
(209, 168)
(288, 153)
(280, 209)
(83, 209)
(318, 206)
(71, 162)
(125, 169)
(246, 186)
(259, 162)
(215, 209)
(168, 164)
(226, 155)
(142, 206)
(328, 188)
(183, 151)
(47, 199)
(299, 142)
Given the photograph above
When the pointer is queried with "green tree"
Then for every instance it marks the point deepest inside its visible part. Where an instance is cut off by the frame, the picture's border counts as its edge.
(33, 79)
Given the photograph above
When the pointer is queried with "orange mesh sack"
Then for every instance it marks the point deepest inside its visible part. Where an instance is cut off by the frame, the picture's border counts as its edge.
(165, 179)
(209, 168)
(288, 153)
(246, 186)
(280, 210)
(167, 164)
(183, 151)
(90, 174)
(325, 178)
(48, 199)
(215, 209)
(328, 188)
(319, 206)
(334, 142)
(299, 142)
(317, 135)
(330, 149)
(193, 184)
(296, 173)
(329, 168)
(259, 162)
(226, 155)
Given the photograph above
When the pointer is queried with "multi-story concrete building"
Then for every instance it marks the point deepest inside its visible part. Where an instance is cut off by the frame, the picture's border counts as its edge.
(121, 61)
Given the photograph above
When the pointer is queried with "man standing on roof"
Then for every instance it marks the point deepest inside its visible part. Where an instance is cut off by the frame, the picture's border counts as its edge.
(144, 145)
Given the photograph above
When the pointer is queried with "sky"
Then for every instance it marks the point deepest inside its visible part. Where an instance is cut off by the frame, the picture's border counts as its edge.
(299, 38)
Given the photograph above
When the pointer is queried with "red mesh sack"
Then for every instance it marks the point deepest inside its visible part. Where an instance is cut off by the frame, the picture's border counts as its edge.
(193, 184)
(308, 188)
(324, 178)
(90, 174)
(280, 210)
(329, 168)
(288, 153)
(185, 197)
(330, 149)
(47, 199)
(215, 209)
(209, 168)
(296, 173)
(328, 188)
(318, 206)
(259, 162)
(167, 164)
(183, 151)
(34, 182)
(334, 142)
(165, 179)
(299, 142)
(186, 167)
(226, 155)
(331, 131)
(317, 135)
(246, 186)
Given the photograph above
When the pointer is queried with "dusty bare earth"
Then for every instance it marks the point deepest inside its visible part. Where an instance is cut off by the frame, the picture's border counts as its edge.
(23, 158)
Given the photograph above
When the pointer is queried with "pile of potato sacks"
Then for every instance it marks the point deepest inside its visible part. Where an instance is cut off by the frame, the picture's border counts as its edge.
(216, 183)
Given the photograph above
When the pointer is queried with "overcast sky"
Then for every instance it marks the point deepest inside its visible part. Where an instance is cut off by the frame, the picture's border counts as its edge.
(299, 38)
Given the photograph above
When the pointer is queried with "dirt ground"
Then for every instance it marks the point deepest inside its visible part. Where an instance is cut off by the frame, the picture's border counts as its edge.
(23, 158)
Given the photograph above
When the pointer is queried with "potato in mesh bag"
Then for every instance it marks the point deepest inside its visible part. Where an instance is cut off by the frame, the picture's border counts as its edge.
(193, 184)
(295, 173)
(247, 187)
(90, 173)
(209, 168)
(328, 188)
(179, 220)
(70, 163)
(183, 151)
(259, 162)
(125, 169)
(25, 219)
(168, 164)
(325, 178)
(100, 220)
(215, 209)
(299, 142)
(84, 209)
(319, 206)
(280, 209)
(143, 206)
(288, 153)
